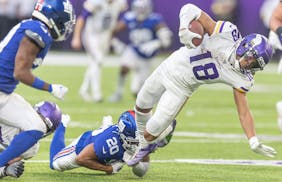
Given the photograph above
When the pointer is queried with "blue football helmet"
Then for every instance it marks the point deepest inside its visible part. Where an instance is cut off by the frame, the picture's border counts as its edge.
(255, 46)
(142, 8)
(128, 130)
(58, 15)
(50, 114)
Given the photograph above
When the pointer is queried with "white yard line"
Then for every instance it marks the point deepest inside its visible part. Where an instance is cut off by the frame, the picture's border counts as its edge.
(241, 162)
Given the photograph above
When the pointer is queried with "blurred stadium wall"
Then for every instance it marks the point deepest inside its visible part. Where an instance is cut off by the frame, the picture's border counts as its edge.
(248, 20)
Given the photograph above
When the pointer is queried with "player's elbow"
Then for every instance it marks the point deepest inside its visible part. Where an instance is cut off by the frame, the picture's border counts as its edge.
(19, 74)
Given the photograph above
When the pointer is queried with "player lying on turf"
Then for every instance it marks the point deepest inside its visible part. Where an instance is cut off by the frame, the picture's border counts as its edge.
(223, 57)
(50, 115)
(105, 149)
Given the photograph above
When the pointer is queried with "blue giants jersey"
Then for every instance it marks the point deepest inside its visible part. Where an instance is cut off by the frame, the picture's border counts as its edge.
(107, 144)
(142, 32)
(9, 48)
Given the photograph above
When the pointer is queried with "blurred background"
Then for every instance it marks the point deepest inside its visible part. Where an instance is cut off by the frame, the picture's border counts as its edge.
(245, 14)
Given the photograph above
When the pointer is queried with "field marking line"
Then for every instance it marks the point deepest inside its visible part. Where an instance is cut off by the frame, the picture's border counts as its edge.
(240, 162)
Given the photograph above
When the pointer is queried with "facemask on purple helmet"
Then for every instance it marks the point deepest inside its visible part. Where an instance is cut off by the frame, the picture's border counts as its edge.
(255, 46)
(51, 115)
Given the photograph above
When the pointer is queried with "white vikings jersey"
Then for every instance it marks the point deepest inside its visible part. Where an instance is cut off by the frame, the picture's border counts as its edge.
(104, 16)
(186, 69)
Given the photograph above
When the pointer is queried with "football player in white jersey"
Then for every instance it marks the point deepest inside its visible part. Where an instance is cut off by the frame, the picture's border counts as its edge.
(223, 57)
(94, 30)
(148, 34)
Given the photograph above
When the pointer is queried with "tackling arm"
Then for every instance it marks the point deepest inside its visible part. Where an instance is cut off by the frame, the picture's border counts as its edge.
(247, 123)
(87, 158)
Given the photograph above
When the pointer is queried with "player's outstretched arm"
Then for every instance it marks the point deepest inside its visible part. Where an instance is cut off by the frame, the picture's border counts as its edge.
(87, 158)
(247, 123)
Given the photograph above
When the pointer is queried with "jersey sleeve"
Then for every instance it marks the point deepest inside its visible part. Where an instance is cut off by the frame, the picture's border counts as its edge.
(38, 33)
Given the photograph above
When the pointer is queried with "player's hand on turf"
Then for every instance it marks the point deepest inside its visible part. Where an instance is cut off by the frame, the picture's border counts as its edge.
(186, 37)
(260, 148)
(59, 91)
(15, 170)
(117, 166)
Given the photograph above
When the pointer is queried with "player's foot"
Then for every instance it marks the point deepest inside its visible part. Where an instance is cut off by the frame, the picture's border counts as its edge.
(142, 153)
(116, 97)
(15, 169)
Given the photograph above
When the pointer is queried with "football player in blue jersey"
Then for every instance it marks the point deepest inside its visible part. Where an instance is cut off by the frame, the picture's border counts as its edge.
(148, 33)
(107, 149)
(22, 50)
(50, 115)
(103, 149)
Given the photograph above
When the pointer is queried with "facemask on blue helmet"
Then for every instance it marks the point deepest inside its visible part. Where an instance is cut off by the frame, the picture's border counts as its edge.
(128, 131)
(254, 46)
(50, 114)
(58, 15)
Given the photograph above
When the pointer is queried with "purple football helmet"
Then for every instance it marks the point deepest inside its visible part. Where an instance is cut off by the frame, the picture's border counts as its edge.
(50, 113)
(256, 46)
(128, 130)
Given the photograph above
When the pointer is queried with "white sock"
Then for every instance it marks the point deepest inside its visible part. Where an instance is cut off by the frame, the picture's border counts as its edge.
(141, 120)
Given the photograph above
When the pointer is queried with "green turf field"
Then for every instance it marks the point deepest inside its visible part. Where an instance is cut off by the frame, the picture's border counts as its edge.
(208, 130)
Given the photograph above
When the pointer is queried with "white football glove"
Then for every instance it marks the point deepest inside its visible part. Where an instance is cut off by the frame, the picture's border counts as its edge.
(148, 48)
(59, 91)
(65, 119)
(260, 148)
(117, 166)
(186, 37)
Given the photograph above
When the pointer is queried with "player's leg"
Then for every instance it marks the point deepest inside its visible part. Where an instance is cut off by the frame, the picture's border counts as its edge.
(85, 86)
(26, 119)
(65, 158)
(127, 62)
(167, 109)
(147, 97)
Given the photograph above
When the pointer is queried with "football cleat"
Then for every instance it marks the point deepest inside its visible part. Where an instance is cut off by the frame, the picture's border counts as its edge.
(152, 147)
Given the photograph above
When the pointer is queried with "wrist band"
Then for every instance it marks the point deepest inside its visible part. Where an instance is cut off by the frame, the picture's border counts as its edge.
(39, 84)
